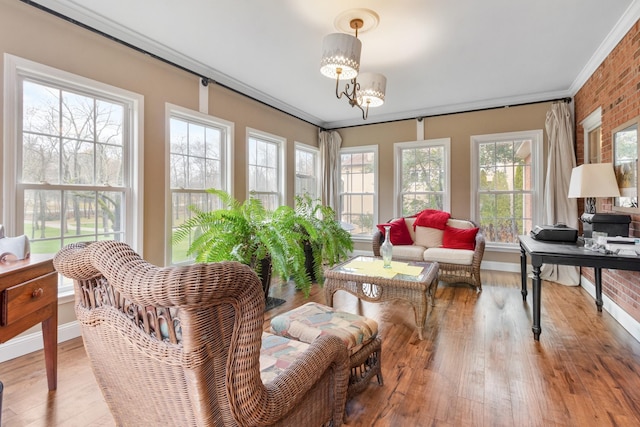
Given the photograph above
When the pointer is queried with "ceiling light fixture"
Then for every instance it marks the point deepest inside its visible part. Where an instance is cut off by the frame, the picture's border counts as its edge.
(341, 61)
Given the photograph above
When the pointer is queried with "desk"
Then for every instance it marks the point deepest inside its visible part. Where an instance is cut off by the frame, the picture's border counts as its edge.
(565, 254)
(28, 296)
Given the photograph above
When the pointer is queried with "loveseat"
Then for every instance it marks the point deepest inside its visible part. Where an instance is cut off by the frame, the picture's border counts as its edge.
(432, 235)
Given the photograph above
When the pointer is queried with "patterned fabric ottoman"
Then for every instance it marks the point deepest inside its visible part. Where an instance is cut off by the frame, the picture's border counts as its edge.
(360, 334)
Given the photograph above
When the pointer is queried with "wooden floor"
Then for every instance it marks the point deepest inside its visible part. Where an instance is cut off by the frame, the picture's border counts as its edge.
(477, 366)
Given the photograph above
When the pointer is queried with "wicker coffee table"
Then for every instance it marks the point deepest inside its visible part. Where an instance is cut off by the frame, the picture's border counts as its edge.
(368, 286)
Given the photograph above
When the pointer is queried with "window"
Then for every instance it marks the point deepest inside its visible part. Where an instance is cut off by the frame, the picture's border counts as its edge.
(593, 137)
(422, 176)
(307, 171)
(265, 154)
(199, 159)
(72, 170)
(507, 184)
(359, 189)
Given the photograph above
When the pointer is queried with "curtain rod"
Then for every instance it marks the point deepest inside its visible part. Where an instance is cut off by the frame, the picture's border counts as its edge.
(203, 79)
(420, 118)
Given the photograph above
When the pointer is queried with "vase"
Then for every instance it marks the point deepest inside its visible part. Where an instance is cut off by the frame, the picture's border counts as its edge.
(386, 249)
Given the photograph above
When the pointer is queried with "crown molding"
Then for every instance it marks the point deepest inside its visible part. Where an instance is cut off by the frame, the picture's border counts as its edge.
(619, 30)
(93, 21)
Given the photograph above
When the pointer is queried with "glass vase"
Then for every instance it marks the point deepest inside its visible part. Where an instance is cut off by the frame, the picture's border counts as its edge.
(386, 249)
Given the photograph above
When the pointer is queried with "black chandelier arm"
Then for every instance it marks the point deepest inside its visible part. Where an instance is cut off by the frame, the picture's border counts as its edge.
(352, 96)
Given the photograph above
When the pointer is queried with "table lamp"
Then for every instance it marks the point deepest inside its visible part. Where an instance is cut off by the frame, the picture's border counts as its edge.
(593, 180)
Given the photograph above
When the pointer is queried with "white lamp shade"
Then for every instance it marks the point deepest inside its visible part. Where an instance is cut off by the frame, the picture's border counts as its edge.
(593, 180)
(340, 51)
(372, 89)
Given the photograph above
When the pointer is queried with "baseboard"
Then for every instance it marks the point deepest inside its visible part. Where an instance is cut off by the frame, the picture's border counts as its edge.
(629, 323)
(33, 342)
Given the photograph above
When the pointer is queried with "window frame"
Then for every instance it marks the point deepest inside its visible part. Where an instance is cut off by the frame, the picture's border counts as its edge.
(282, 164)
(537, 177)
(398, 148)
(191, 116)
(362, 149)
(299, 146)
(18, 69)
(592, 122)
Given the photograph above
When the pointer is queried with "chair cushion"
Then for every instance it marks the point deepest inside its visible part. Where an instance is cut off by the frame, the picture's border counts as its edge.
(277, 354)
(449, 256)
(429, 237)
(399, 233)
(458, 238)
(309, 321)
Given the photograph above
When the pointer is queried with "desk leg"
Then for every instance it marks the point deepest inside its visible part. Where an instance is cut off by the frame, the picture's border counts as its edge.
(50, 341)
(536, 302)
(598, 274)
(523, 273)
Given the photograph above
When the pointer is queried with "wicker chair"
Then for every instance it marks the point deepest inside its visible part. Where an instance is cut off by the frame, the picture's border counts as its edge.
(180, 346)
(450, 272)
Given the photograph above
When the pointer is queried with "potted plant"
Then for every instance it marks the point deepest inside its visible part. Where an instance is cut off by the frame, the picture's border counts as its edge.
(331, 243)
(249, 233)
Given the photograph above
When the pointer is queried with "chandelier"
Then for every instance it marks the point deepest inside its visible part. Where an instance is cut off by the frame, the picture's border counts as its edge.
(341, 61)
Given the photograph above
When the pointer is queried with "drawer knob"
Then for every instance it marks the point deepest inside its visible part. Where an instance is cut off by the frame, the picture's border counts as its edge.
(37, 293)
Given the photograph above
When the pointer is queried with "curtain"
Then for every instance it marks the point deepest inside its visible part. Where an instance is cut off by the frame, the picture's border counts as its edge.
(329, 143)
(557, 206)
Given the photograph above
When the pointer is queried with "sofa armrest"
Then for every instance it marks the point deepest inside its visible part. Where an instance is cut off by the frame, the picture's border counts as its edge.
(378, 238)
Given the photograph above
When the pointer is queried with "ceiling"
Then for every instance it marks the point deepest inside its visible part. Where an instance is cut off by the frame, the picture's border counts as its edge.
(439, 56)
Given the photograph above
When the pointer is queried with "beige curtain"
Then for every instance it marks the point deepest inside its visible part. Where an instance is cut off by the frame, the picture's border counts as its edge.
(329, 143)
(557, 206)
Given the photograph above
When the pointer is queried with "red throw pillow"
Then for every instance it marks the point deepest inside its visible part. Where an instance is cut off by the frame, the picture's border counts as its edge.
(459, 238)
(399, 233)
(432, 218)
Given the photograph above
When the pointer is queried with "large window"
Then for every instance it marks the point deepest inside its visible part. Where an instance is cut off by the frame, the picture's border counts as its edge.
(71, 159)
(359, 189)
(507, 184)
(265, 168)
(422, 176)
(199, 159)
(307, 180)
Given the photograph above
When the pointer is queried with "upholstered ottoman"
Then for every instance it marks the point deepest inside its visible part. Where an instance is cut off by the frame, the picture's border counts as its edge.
(360, 334)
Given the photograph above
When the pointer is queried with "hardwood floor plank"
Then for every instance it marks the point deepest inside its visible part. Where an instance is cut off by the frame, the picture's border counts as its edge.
(478, 365)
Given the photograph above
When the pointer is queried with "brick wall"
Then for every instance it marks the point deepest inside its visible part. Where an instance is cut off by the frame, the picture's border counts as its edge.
(615, 87)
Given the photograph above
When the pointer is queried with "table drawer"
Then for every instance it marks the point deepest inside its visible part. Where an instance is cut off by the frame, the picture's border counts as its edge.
(28, 297)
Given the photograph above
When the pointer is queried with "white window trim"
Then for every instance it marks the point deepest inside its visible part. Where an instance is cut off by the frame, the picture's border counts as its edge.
(362, 149)
(537, 177)
(172, 110)
(591, 122)
(397, 168)
(16, 67)
(282, 149)
(311, 149)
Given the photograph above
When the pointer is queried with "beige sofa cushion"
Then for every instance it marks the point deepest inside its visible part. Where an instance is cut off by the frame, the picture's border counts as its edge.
(408, 252)
(409, 222)
(428, 237)
(450, 256)
(459, 223)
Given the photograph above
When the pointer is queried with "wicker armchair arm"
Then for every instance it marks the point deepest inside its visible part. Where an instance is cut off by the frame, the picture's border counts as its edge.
(147, 284)
(479, 248)
(327, 355)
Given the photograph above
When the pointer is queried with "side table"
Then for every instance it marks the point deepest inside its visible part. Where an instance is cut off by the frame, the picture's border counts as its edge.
(28, 296)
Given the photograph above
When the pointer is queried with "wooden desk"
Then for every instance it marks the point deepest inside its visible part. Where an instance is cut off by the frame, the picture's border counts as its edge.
(565, 254)
(28, 296)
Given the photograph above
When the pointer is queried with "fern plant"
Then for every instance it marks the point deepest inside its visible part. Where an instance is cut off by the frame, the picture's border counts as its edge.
(331, 243)
(248, 232)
